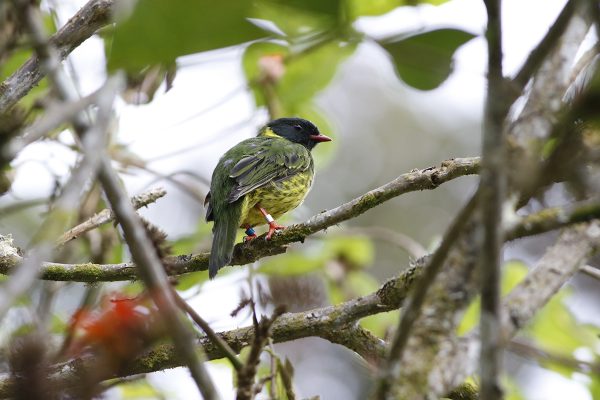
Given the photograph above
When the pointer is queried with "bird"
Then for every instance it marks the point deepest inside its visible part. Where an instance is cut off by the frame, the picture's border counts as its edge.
(257, 181)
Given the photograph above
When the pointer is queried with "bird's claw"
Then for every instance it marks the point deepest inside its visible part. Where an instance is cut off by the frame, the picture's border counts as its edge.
(273, 226)
(249, 238)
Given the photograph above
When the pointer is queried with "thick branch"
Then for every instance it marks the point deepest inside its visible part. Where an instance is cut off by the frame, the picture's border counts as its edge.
(245, 253)
(334, 323)
(540, 222)
(94, 15)
(573, 247)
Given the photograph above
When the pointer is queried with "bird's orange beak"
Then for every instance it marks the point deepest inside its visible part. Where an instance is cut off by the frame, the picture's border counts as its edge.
(320, 138)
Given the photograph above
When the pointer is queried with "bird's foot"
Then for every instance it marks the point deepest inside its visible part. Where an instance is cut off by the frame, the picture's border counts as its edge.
(273, 226)
(250, 234)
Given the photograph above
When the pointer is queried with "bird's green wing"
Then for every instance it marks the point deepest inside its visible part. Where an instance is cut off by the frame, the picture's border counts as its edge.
(274, 160)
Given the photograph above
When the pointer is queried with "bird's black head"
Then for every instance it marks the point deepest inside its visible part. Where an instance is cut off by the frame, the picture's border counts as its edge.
(295, 130)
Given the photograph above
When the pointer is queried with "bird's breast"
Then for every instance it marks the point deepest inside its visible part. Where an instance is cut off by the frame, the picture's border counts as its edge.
(277, 198)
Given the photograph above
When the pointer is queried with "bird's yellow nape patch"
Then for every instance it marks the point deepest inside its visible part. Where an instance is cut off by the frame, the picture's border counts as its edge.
(268, 132)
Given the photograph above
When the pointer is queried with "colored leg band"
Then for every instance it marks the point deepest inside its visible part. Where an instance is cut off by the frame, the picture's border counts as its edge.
(250, 232)
(269, 218)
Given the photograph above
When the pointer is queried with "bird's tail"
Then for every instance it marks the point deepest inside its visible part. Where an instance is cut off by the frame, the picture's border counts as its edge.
(224, 232)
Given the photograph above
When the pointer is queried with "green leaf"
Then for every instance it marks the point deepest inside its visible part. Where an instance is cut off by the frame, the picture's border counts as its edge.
(594, 386)
(362, 8)
(327, 7)
(57, 325)
(424, 60)
(298, 18)
(556, 330)
(159, 31)
(310, 72)
(139, 389)
(305, 73)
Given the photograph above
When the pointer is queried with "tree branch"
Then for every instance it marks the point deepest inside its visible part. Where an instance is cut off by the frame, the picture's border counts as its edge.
(492, 191)
(434, 333)
(152, 272)
(335, 323)
(546, 45)
(571, 250)
(94, 15)
(105, 216)
(412, 310)
(244, 253)
(543, 221)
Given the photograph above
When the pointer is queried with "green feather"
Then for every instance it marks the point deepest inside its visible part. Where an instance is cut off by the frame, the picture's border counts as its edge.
(271, 170)
(224, 232)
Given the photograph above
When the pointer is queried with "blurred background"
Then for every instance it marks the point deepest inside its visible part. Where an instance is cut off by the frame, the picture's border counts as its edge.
(382, 127)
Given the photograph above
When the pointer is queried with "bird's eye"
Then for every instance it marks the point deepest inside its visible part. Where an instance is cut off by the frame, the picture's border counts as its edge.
(298, 128)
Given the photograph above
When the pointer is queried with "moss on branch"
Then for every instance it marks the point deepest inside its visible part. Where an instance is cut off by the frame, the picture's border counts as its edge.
(338, 324)
(245, 253)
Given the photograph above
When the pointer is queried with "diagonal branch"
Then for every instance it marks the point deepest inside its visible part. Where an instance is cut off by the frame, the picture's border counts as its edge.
(105, 216)
(543, 221)
(546, 45)
(92, 16)
(244, 253)
(412, 310)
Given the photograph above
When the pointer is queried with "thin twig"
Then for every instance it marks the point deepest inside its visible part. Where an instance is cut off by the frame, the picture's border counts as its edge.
(55, 116)
(590, 271)
(554, 218)
(546, 45)
(154, 276)
(105, 216)
(212, 335)
(262, 332)
(523, 349)
(401, 240)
